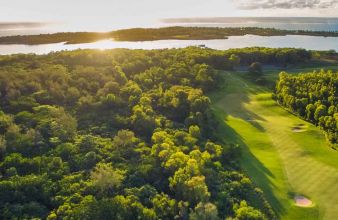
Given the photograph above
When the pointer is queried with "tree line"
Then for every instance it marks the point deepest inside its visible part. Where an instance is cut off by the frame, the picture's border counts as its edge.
(314, 97)
(149, 34)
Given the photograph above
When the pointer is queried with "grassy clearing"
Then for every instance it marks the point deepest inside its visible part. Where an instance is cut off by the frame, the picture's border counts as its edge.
(282, 162)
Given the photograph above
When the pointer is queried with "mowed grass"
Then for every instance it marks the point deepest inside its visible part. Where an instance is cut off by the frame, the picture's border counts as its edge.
(281, 162)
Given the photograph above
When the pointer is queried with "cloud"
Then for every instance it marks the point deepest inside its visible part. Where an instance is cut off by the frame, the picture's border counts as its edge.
(285, 4)
(21, 25)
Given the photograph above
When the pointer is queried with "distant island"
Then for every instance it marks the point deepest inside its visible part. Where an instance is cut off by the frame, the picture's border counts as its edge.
(251, 20)
(150, 34)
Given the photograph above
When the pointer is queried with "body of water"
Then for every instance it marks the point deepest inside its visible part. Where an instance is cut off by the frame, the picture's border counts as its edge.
(288, 23)
(296, 41)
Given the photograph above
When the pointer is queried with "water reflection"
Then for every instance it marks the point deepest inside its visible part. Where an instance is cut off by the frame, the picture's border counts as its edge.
(306, 42)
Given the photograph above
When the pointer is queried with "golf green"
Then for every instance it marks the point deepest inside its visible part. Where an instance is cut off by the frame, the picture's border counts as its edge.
(285, 163)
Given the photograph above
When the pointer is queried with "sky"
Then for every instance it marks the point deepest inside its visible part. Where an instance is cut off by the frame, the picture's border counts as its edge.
(101, 14)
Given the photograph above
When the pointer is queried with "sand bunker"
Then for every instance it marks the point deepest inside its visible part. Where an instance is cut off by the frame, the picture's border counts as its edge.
(303, 201)
(299, 128)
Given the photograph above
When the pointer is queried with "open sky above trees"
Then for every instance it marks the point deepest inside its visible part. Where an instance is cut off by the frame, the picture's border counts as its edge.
(104, 14)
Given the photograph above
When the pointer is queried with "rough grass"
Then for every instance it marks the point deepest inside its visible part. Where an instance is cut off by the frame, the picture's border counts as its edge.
(281, 162)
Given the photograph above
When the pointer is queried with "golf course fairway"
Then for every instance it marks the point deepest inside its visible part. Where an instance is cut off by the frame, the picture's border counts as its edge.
(286, 163)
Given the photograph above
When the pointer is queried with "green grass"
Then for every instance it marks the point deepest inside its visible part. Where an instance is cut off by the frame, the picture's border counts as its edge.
(281, 162)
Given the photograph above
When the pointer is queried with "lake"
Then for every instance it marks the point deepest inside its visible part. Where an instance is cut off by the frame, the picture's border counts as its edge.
(288, 23)
(296, 41)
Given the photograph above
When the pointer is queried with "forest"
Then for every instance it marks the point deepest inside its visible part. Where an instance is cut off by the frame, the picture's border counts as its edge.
(150, 34)
(130, 134)
(314, 97)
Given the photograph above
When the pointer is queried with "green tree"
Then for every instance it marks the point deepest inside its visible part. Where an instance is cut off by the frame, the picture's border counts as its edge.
(106, 178)
(245, 212)
(5, 122)
(321, 110)
(194, 131)
(204, 211)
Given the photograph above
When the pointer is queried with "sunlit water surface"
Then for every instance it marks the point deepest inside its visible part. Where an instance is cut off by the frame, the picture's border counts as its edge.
(296, 41)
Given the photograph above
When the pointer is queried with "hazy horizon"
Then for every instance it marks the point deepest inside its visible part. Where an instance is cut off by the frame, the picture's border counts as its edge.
(16, 27)
(102, 15)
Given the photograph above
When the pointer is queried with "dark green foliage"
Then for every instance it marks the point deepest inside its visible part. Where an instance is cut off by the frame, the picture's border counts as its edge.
(282, 56)
(117, 134)
(314, 97)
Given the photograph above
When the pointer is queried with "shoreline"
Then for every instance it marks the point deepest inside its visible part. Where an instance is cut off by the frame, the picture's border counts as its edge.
(153, 34)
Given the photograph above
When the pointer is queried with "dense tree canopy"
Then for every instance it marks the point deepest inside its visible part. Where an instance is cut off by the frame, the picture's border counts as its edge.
(129, 134)
(313, 96)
